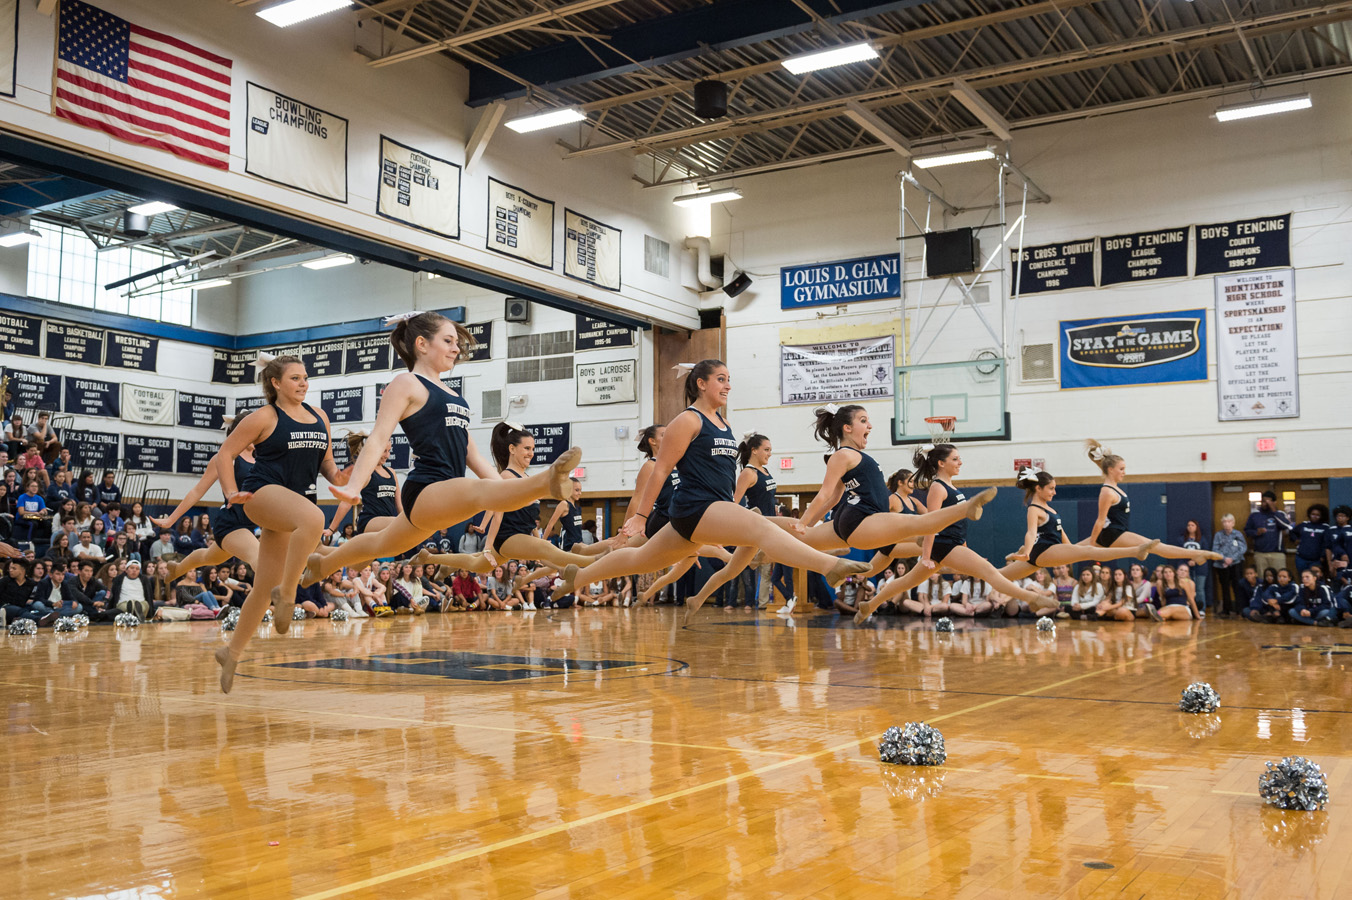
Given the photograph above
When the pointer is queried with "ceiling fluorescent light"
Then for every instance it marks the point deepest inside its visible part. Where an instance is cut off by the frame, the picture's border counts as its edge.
(1262, 107)
(547, 119)
(209, 283)
(293, 11)
(15, 238)
(704, 198)
(826, 59)
(953, 159)
(152, 208)
(328, 262)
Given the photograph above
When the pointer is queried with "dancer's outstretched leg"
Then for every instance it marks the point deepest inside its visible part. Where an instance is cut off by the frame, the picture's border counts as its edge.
(1069, 554)
(741, 558)
(671, 576)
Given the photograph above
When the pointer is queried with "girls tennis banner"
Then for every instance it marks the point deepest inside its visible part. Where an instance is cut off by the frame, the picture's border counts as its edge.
(591, 251)
(295, 144)
(1256, 371)
(1152, 349)
(520, 224)
(418, 189)
(838, 372)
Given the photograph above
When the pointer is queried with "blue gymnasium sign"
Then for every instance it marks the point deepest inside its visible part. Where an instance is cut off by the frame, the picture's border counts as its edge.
(831, 283)
(1151, 349)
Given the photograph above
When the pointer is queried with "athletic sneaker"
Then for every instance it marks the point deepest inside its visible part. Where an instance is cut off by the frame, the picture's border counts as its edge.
(1201, 614)
(787, 607)
(1154, 613)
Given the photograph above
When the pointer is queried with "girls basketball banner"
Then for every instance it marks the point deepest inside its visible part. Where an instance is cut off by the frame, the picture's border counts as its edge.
(1124, 350)
(520, 224)
(75, 343)
(838, 372)
(295, 144)
(418, 189)
(1257, 374)
(591, 251)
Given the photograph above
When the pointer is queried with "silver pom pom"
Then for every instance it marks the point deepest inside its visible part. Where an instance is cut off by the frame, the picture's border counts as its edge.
(917, 744)
(944, 625)
(23, 626)
(127, 620)
(1199, 697)
(66, 624)
(298, 614)
(81, 620)
(1047, 638)
(267, 616)
(1200, 727)
(231, 619)
(338, 615)
(1294, 783)
(1046, 624)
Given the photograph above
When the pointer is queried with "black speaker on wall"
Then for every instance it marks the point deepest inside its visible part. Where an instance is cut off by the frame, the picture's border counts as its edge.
(955, 252)
(739, 283)
(711, 99)
(517, 310)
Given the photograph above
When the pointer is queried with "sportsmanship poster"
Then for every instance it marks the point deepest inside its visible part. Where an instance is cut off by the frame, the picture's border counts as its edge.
(1150, 349)
(1263, 243)
(838, 372)
(842, 281)
(150, 405)
(520, 224)
(418, 189)
(1055, 267)
(295, 144)
(1256, 369)
(591, 251)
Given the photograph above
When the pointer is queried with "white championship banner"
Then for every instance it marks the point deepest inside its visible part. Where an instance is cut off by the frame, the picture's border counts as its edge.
(9, 42)
(607, 382)
(149, 406)
(838, 372)
(418, 189)
(520, 224)
(294, 144)
(591, 251)
(1257, 375)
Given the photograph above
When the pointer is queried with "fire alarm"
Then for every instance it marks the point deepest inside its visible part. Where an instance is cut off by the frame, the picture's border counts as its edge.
(1204, 456)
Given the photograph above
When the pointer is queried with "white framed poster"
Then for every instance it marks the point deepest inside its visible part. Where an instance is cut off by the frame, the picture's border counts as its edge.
(600, 383)
(295, 144)
(1257, 375)
(520, 224)
(418, 189)
(837, 372)
(591, 250)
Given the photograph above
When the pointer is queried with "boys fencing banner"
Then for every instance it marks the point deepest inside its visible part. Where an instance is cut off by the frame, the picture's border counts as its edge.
(295, 144)
(607, 382)
(520, 224)
(9, 42)
(1150, 349)
(20, 335)
(829, 283)
(1146, 256)
(148, 454)
(86, 397)
(1055, 267)
(1246, 244)
(150, 406)
(75, 343)
(418, 189)
(1256, 369)
(591, 251)
(841, 371)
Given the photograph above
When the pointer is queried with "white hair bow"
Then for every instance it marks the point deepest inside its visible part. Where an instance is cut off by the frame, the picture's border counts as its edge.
(401, 317)
(1028, 472)
(515, 426)
(1096, 454)
(683, 369)
(927, 449)
(261, 362)
(227, 421)
(832, 408)
(750, 434)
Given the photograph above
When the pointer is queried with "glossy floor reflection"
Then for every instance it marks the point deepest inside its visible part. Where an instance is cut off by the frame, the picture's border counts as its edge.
(616, 753)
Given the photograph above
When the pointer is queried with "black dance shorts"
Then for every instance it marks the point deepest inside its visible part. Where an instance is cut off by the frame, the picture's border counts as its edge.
(408, 494)
(685, 525)
(653, 524)
(849, 519)
(1108, 536)
(942, 547)
(1040, 548)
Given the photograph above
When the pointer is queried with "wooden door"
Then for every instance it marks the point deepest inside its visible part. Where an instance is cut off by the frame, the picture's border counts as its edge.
(672, 347)
(1241, 498)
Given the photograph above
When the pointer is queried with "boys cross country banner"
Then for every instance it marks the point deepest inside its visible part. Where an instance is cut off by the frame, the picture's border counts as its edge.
(1256, 369)
(831, 283)
(1150, 349)
(1055, 267)
(838, 372)
(418, 189)
(295, 144)
(591, 251)
(520, 224)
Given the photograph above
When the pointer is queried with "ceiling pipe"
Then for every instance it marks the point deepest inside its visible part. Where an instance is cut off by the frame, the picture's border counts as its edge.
(703, 255)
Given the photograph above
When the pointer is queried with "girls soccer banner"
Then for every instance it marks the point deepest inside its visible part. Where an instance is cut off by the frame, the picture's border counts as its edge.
(1152, 349)
(520, 224)
(418, 189)
(148, 454)
(838, 372)
(151, 406)
(591, 251)
(1257, 375)
(295, 144)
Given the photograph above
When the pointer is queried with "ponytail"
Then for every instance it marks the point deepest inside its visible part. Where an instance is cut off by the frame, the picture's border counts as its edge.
(926, 461)
(701, 372)
(355, 441)
(645, 440)
(1101, 456)
(832, 420)
(750, 443)
(424, 325)
(1030, 480)
(897, 479)
(506, 435)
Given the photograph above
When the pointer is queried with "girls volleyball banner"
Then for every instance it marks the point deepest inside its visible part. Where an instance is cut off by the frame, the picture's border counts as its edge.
(1124, 350)
(520, 224)
(591, 251)
(418, 189)
(295, 144)
(1256, 371)
(838, 372)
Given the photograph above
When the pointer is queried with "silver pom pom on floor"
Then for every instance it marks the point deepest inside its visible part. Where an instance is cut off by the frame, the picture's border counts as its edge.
(23, 626)
(1046, 624)
(916, 744)
(298, 615)
(231, 619)
(267, 616)
(944, 625)
(127, 620)
(1199, 697)
(338, 615)
(1294, 783)
(66, 624)
(81, 619)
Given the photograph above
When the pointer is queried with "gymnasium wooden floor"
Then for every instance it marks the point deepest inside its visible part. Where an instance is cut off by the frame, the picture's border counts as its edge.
(616, 753)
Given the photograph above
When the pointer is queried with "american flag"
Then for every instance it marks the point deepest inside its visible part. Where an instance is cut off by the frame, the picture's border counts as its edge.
(142, 86)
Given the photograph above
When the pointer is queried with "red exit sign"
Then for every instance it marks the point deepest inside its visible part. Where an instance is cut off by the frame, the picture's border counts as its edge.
(786, 462)
(1266, 445)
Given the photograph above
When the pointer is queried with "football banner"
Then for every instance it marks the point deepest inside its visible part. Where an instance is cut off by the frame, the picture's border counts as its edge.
(295, 144)
(520, 224)
(149, 405)
(591, 251)
(1257, 375)
(418, 189)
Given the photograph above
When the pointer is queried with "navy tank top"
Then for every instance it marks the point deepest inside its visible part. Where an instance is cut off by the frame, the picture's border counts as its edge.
(518, 521)
(957, 532)
(572, 524)
(1119, 514)
(907, 505)
(438, 435)
(377, 498)
(291, 455)
(1049, 532)
(761, 495)
(1174, 597)
(663, 503)
(865, 487)
(708, 469)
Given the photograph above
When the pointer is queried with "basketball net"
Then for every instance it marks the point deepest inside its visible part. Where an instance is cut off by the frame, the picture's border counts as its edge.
(941, 428)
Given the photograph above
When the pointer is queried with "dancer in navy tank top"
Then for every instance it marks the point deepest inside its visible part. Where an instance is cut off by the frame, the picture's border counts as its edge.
(291, 450)
(700, 446)
(380, 504)
(436, 494)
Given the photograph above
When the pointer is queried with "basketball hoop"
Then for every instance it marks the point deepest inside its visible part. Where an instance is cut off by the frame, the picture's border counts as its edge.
(941, 428)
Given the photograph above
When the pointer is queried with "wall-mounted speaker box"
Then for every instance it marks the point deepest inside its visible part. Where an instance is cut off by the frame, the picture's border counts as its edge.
(955, 252)
(517, 310)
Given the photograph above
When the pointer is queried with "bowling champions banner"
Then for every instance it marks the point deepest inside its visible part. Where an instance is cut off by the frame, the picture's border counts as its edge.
(295, 144)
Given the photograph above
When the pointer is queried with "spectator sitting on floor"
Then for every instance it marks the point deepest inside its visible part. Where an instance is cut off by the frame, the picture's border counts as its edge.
(1314, 603)
(131, 592)
(16, 596)
(87, 549)
(58, 592)
(163, 546)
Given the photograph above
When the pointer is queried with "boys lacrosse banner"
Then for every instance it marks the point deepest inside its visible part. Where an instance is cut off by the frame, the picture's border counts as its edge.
(418, 189)
(295, 144)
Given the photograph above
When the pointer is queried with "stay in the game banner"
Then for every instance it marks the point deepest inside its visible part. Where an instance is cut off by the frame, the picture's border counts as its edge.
(1123, 350)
